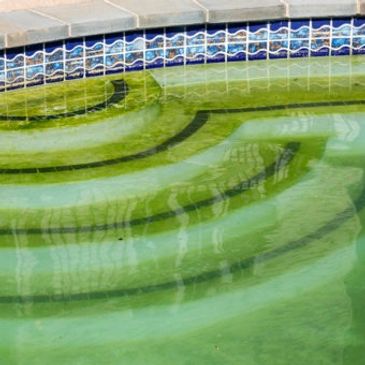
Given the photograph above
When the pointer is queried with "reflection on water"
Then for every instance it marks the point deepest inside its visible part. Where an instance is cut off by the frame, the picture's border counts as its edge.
(212, 215)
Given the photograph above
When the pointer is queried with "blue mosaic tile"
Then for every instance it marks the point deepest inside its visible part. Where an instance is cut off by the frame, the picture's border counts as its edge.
(158, 62)
(54, 72)
(216, 53)
(300, 53)
(343, 50)
(74, 49)
(321, 29)
(238, 37)
(359, 32)
(2, 81)
(299, 29)
(233, 48)
(2, 61)
(15, 75)
(34, 55)
(340, 42)
(114, 43)
(134, 42)
(358, 27)
(15, 79)
(132, 57)
(155, 39)
(54, 52)
(96, 71)
(94, 46)
(278, 49)
(262, 55)
(112, 60)
(175, 37)
(195, 35)
(174, 56)
(216, 34)
(134, 61)
(236, 52)
(195, 54)
(72, 65)
(216, 48)
(236, 27)
(54, 68)
(279, 30)
(15, 58)
(359, 22)
(358, 45)
(237, 33)
(297, 44)
(341, 27)
(239, 56)
(257, 50)
(321, 23)
(320, 47)
(320, 43)
(34, 75)
(74, 69)
(358, 51)
(94, 66)
(154, 58)
(258, 32)
(299, 48)
(296, 24)
(33, 71)
(136, 50)
(114, 63)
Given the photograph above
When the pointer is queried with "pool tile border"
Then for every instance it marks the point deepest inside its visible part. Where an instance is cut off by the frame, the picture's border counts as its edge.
(165, 47)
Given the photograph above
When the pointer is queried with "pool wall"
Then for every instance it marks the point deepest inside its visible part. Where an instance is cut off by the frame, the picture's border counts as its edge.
(142, 45)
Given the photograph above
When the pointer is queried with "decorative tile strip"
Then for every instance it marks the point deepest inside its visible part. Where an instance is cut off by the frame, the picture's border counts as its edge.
(128, 51)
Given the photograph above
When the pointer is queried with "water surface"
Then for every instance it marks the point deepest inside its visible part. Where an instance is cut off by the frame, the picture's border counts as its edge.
(202, 215)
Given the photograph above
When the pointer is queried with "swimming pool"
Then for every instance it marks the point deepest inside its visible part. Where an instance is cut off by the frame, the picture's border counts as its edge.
(198, 215)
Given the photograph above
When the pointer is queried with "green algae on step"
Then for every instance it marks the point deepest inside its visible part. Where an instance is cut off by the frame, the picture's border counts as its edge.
(242, 239)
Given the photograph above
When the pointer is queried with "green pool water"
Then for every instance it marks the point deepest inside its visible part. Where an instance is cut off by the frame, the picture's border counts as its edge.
(210, 214)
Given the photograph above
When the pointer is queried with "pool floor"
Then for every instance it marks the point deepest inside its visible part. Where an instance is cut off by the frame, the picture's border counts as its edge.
(208, 214)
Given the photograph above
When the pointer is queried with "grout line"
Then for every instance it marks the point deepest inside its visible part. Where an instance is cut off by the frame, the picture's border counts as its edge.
(310, 38)
(124, 9)
(204, 8)
(352, 37)
(358, 7)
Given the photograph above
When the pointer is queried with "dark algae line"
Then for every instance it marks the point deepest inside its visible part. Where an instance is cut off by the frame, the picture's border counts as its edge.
(282, 161)
(247, 263)
(200, 119)
(120, 92)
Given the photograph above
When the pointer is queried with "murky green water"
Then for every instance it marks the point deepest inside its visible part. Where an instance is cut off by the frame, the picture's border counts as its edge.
(201, 215)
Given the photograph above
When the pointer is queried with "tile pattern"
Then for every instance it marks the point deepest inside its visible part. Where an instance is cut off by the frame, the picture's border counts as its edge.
(137, 50)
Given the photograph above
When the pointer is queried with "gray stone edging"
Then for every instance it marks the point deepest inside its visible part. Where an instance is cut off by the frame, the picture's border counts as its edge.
(62, 19)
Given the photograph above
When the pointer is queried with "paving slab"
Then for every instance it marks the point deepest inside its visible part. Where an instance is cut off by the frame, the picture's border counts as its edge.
(23, 27)
(322, 8)
(164, 13)
(10, 5)
(92, 17)
(220, 11)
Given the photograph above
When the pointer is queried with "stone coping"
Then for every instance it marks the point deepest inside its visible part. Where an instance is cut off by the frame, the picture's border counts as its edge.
(26, 22)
